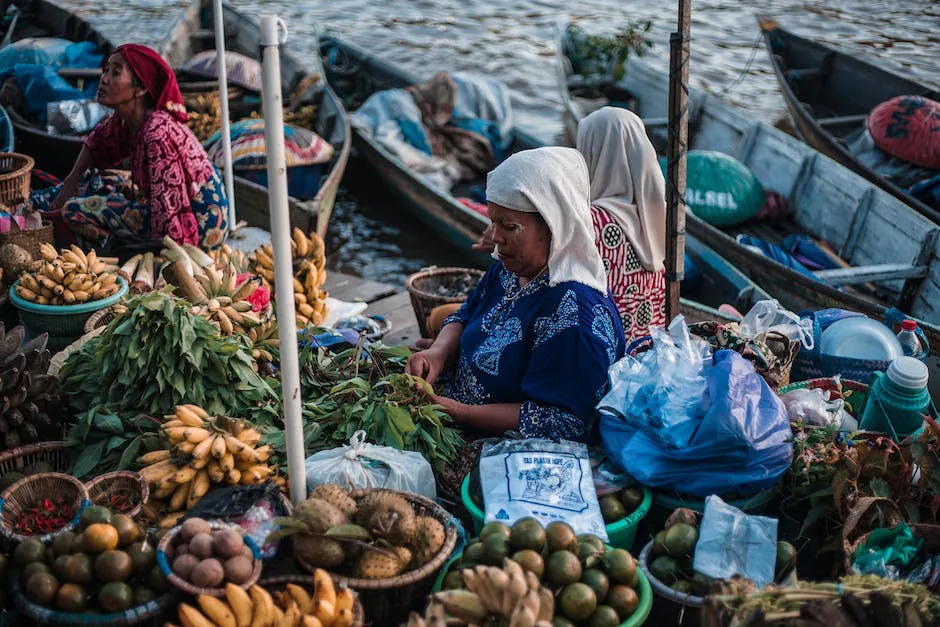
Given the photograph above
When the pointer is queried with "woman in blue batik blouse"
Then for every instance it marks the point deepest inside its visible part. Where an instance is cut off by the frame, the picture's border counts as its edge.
(532, 344)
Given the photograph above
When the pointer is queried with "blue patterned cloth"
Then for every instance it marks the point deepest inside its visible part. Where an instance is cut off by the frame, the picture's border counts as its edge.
(548, 348)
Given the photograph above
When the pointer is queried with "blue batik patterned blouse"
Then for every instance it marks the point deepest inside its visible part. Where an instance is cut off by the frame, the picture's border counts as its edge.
(546, 347)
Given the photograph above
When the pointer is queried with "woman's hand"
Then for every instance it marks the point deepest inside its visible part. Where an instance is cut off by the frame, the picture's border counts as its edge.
(68, 191)
(451, 407)
(426, 364)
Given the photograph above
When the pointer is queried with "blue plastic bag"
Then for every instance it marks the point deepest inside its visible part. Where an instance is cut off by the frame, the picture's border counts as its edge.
(733, 543)
(741, 443)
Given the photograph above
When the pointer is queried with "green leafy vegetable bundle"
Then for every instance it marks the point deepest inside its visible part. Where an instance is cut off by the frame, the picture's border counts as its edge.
(157, 355)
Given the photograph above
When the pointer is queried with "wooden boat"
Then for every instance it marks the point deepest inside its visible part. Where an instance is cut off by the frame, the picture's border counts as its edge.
(829, 95)
(888, 243)
(41, 18)
(356, 74)
(193, 34)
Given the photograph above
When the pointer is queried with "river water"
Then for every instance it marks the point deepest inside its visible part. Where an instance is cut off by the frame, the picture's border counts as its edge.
(513, 40)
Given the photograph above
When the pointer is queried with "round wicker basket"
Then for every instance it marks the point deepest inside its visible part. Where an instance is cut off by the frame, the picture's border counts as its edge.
(422, 287)
(178, 582)
(30, 239)
(17, 459)
(100, 318)
(28, 490)
(306, 581)
(106, 489)
(15, 175)
(392, 598)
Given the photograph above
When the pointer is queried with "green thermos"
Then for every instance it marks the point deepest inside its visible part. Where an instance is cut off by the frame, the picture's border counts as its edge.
(897, 399)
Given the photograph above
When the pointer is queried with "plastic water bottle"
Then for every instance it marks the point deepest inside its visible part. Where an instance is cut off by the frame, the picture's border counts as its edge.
(910, 343)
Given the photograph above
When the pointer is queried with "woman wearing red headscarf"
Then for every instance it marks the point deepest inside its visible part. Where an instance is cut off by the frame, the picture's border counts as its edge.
(174, 188)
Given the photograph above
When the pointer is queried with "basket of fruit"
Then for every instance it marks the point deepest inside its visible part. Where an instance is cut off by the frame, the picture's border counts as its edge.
(315, 592)
(681, 590)
(199, 557)
(547, 574)
(106, 574)
(434, 287)
(622, 512)
(384, 544)
(123, 491)
(24, 461)
(41, 506)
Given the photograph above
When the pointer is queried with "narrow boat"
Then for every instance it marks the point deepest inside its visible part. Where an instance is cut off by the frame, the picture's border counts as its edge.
(356, 74)
(887, 243)
(193, 34)
(52, 152)
(829, 95)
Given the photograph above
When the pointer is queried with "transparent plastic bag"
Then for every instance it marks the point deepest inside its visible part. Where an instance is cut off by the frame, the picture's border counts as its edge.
(769, 315)
(814, 407)
(361, 465)
(74, 117)
(661, 391)
(543, 479)
(734, 543)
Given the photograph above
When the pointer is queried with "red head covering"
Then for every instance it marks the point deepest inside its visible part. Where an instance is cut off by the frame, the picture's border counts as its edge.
(157, 76)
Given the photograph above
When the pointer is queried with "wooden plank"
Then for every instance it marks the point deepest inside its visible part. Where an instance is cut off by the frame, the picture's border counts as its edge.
(913, 285)
(878, 272)
(352, 288)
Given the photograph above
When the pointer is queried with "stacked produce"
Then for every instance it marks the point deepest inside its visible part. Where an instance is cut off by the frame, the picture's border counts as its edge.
(309, 260)
(224, 255)
(204, 114)
(138, 271)
(265, 345)
(68, 277)
(674, 551)
(224, 302)
(492, 593)
(377, 537)
(108, 566)
(29, 397)
(203, 451)
(590, 585)
(326, 607)
(615, 507)
(209, 558)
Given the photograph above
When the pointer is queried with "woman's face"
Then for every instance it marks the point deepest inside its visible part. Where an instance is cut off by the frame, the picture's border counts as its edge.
(522, 240)
(116, 86)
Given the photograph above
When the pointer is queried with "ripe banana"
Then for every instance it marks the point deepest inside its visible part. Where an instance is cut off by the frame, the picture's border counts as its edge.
(241, 604)
(217, 611)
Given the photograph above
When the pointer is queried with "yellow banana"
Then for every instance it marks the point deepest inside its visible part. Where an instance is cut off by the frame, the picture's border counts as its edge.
(191, 617)
(323, 589)
(217, 611)
(170, 520)
(184, 448)
(233, 477)
(291, 617)
(179, 497)
(234, 445)
(79, 253)
(325, 611)
(175, 434)
(185, 475)
(216, 474)
(263, 607)
(199, 488)
(263, 453)
(153, 457)
(250, 436)
(164, 492)
(26, 294)
(196, 434)
(301, 597)
(218, 447)
(240, 603)
(345, 598)
(202, 450)
(186, 415)
(225, 323)
(48, 251)
(227, 463)
(344, 618)
(310, 621)
(158, 471)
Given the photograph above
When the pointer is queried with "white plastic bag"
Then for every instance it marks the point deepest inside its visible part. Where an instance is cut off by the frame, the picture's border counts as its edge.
(361, 465)
(543, 479)
(814, 407)
(734, 543)
(769, 315)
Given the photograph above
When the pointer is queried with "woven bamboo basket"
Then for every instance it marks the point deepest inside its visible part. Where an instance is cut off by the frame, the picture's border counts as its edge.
(15, 174)
(392, 598)
(17, 459)
(122, 483)
(306, 581)
(28, 490)
(149, 613)
(29, 239)
(100, 318)
(420, 286)
(169, 540)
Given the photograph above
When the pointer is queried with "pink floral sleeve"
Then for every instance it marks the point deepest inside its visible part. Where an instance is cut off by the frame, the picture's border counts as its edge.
(170, 211)
(109, 142)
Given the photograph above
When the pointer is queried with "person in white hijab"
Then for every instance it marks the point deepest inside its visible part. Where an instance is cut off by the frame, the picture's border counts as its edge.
(532, 344)
(628, 194)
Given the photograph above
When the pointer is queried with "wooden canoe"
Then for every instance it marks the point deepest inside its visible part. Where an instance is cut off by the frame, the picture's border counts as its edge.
(886, 242)
(193, 34)
(41, 18)
(829, 95)
(355, 74)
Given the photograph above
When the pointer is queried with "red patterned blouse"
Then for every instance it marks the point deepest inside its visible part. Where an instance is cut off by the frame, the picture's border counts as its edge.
(168, 165)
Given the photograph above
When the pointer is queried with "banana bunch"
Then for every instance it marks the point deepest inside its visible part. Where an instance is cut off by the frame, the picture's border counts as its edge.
(224, 255)
(309, 260)
(67, 278)
(204, 113)
(507, 593)
(327, 607)
(265, 345)
(223, 303)
(204, 451)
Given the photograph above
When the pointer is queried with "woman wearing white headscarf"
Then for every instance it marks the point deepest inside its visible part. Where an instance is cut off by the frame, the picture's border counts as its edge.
(533, 342)
(628, 194)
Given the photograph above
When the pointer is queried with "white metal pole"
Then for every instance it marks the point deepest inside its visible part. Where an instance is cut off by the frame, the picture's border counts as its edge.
(280, 239)
(222, 72)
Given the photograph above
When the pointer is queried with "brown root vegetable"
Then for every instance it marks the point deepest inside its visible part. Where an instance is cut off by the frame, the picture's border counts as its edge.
(193, 527)
(184, 564)
(228, 543)
(207, 574)
(202, 546)
(238, 569)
